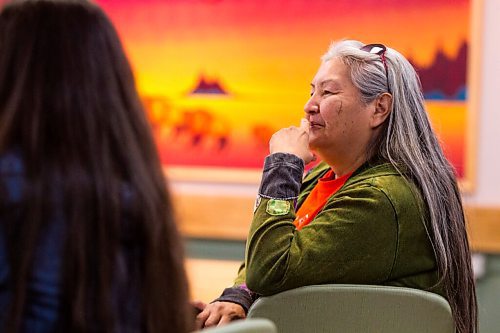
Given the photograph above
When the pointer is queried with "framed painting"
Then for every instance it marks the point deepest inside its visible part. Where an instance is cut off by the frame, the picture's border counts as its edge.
(218, 77)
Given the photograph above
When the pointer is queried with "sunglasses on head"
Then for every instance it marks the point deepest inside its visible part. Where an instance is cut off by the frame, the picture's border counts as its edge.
(378, 49)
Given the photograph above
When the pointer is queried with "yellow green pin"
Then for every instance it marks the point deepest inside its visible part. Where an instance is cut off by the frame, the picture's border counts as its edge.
(278, 207)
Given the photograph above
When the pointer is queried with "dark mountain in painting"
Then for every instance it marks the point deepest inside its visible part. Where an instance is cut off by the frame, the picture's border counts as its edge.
(207, 86)
(445, 78)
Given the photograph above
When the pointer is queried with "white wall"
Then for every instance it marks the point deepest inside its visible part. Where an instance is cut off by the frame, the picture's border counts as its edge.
(486, 191)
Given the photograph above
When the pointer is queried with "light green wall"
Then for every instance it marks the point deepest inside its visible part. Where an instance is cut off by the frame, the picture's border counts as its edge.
(488, 295)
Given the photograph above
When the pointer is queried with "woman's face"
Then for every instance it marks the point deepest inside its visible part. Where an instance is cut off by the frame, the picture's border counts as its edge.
(339, 120)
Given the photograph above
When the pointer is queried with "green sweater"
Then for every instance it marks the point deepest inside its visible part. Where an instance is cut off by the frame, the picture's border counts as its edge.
(371, 231)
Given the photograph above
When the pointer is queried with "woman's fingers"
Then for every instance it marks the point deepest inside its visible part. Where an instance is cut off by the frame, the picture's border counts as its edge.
(304, 125)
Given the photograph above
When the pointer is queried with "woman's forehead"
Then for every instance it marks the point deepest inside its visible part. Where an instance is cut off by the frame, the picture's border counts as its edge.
(331, 72)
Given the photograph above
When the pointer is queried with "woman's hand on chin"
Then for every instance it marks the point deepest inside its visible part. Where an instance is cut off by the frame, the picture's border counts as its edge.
(293, 140)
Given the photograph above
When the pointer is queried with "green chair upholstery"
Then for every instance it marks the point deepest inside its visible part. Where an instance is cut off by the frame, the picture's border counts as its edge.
(254, 325)
(355, 308)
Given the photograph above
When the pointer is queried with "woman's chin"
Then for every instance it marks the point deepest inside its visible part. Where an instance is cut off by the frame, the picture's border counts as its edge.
(314, 142)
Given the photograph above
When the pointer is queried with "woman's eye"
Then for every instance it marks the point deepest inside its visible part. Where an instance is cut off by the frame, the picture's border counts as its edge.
(327, 92)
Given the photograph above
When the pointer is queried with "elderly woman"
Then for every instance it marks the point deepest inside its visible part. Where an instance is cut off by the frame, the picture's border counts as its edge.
(382, 207)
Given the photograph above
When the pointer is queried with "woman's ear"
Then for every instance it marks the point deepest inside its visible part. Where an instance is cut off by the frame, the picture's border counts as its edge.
(383, 106)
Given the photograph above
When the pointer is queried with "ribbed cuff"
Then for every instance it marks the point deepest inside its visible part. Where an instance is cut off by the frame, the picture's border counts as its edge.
(282, 176)
(239, 295)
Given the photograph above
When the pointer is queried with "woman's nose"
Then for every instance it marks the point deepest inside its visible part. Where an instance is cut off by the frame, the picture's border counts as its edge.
(311, 106)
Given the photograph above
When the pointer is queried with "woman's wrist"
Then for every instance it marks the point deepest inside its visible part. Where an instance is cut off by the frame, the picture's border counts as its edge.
(282, 176)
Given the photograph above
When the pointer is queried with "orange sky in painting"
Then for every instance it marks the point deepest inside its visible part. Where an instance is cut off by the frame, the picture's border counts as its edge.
(266, 52)
(246, 40)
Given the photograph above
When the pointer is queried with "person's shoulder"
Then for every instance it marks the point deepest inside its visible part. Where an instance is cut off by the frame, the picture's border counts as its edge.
(380, 174)
(385, 177)
(394, 182)
(11, 176)
(11, 163)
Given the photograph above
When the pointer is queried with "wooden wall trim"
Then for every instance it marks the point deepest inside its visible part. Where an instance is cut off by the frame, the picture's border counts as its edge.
(483, 224)
(216, 217)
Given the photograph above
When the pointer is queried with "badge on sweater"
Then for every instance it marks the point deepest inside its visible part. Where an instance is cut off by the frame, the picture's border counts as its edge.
(278, 207)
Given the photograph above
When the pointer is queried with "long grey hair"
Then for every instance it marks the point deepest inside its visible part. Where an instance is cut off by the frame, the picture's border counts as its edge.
(408, 141)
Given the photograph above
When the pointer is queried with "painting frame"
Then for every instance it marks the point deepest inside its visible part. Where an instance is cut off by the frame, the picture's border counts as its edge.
(243, 175)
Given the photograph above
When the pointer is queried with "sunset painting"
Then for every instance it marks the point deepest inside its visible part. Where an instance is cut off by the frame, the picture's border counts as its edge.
(218, 77)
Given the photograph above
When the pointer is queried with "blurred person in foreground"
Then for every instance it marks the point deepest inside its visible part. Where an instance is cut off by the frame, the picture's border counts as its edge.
(383, 207)
(87, 238)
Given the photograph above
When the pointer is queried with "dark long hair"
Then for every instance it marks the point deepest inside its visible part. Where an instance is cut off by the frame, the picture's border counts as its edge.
(68, 102)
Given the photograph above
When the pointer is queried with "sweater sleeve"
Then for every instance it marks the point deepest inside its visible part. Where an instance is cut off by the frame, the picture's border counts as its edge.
(281, 178)
(352, 240)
